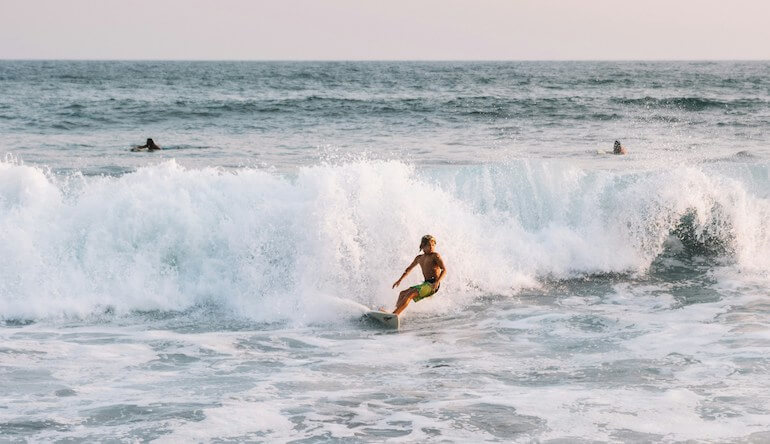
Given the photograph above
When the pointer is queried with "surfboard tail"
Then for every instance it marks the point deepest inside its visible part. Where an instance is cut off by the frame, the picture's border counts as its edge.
(388, 320)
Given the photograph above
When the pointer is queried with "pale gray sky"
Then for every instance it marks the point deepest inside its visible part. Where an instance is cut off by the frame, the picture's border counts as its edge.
(385, 30)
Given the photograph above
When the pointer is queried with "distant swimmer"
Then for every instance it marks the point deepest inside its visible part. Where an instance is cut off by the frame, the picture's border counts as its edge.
(433, 270)
(149, 146)
(618, 148)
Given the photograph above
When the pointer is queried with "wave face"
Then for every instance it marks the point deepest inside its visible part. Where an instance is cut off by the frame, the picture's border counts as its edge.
(306, 246)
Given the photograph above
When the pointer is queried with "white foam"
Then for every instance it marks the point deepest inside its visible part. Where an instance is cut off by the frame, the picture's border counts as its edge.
(234, 418)
(332, 238)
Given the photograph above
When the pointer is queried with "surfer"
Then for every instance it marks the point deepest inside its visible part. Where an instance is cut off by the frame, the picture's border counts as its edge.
(148, 146)
(433, 270)
(618, 148)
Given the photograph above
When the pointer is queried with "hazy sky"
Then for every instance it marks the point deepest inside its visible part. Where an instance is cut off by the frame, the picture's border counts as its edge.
(385, 30)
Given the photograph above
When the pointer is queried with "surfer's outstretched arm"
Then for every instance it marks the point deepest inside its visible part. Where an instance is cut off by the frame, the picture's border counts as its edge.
(406, 272)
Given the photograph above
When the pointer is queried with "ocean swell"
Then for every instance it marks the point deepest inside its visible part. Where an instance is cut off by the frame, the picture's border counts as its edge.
(692, 103)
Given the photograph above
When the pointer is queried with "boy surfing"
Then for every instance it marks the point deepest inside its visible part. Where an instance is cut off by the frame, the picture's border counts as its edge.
(433, 270)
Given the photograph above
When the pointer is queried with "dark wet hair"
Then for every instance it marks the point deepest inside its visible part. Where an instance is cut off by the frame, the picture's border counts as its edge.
(149, 141)
(617, 144)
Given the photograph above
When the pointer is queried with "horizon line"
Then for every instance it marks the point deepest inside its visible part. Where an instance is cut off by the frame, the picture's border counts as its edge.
(3, 59)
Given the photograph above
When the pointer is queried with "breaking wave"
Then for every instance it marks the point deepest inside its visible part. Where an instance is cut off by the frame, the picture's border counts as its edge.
(331, 237)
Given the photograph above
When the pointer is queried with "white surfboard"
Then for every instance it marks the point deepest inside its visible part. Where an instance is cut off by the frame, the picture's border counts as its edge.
(388, 320)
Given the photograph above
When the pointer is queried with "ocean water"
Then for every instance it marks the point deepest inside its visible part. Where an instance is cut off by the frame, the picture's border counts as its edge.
(213, 291)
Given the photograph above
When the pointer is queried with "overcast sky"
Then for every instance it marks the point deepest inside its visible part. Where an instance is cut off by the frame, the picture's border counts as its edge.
(385, 30)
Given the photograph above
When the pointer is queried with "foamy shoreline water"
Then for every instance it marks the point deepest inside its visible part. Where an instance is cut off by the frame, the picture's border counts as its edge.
(624, 367)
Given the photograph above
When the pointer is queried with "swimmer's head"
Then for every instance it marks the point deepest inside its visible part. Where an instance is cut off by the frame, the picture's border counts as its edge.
(617, 144)
(427, 240)
(150, 142)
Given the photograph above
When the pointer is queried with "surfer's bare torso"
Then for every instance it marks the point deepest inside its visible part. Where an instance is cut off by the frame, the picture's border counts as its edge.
(430, 264)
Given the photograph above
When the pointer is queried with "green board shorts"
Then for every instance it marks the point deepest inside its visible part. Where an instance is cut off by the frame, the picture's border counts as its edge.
(424, 290)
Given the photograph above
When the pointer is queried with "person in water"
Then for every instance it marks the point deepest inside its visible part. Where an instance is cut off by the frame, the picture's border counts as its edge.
(433, 270)
(618, 148)
(148, 146)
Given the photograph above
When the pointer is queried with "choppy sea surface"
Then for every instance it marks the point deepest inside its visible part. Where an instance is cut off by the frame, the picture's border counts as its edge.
(212, 291)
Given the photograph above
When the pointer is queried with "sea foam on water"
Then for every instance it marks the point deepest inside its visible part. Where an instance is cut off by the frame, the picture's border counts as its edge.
(276, 247)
